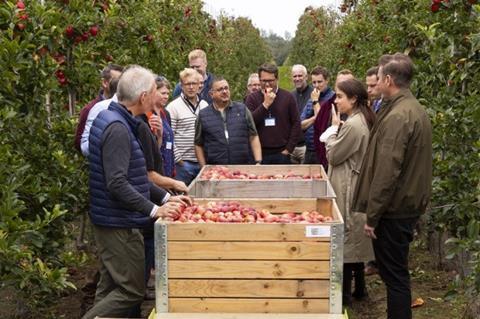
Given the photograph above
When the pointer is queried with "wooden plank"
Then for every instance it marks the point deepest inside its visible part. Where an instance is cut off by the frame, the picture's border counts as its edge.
(248, 288)
(274, 205)
(261, 188)
(239, 305)
(241, 232)
(248, 250)
(273, 169)
(248, 316)
(248, 269)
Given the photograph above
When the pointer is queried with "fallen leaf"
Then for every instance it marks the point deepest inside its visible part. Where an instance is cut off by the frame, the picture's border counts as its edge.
(417, 303)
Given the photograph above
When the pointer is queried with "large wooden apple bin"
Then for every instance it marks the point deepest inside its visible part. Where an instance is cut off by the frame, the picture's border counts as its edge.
(264, 188)
(246, 268)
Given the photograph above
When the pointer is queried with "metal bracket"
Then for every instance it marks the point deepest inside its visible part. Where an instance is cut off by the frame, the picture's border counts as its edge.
(336, 268)
(161, 267)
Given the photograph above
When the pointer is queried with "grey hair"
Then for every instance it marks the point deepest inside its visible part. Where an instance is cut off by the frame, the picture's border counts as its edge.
(301, 68)
(133, 82)
(252, 76)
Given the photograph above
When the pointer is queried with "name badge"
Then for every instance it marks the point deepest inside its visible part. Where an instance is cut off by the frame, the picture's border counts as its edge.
(168, 145)
(270, 121)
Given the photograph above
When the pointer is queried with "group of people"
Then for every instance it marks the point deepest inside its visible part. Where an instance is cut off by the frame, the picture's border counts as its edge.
(374, 140)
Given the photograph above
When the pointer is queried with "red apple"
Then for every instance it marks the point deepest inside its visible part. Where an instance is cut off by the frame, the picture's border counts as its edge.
(93, 31)
(69, 31)
(20, 5)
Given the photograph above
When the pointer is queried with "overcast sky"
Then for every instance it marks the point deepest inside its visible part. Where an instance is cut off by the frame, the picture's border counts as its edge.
(278, 16)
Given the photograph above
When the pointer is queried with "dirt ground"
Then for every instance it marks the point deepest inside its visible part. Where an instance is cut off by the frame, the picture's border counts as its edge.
(427, 283)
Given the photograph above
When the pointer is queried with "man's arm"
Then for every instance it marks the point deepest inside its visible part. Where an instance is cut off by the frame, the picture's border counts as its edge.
(296, 130)
(259, 112)
(308, 116)
(200, 155)
(116, 150)
(256, 148)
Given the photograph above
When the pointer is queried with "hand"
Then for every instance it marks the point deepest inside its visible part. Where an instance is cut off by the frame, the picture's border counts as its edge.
(369, 231)
(268, 97)
(335, 117)
(155, 123)
(180, 186)
(285, 152)
(316, 109)
(181, 199)
(315, 95)
(169, 210)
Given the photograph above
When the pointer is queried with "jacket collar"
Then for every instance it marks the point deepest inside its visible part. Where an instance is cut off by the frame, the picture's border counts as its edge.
(125, 113)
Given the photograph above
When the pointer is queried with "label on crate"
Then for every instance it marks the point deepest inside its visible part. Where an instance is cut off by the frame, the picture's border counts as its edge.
(317, 231)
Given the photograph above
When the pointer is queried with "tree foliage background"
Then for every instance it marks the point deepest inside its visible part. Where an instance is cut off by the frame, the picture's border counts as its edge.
(51, 53)
(443, 39)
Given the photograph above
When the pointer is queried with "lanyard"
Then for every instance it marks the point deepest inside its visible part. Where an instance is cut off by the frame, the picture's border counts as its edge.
(191, 107)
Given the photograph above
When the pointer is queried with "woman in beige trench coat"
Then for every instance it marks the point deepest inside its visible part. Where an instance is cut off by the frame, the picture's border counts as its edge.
(346, 144)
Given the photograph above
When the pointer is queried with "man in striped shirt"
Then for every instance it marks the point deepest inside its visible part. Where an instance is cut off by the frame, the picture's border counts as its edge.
(183, 112)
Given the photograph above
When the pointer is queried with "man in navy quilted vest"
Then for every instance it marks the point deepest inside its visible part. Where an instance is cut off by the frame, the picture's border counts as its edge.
(225, 132)
(121, 196)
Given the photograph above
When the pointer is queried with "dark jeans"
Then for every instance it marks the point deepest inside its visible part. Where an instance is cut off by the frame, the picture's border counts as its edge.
(277, 158)
(311, 157)
(391, 252)
(149, 256)
(187, 171)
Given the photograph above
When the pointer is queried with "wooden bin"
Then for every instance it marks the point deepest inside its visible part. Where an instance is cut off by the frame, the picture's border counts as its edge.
(260, 188)
(235, 268)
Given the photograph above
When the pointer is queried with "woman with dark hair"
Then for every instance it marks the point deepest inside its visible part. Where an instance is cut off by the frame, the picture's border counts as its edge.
(346, 143)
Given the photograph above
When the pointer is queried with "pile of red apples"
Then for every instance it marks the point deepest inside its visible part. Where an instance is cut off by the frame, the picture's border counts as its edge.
(233, 212)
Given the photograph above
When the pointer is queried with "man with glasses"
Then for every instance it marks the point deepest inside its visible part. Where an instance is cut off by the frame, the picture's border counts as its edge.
(197, 60)
(276, 117)
(225, 132)
(183, 113)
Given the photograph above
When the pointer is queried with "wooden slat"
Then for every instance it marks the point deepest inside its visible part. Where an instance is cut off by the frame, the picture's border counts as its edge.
(248, 288)
(260, 188)
(249, 250)
(248, 269)
(248, 305)
(241, 232)
(272, 169)
(248, 316)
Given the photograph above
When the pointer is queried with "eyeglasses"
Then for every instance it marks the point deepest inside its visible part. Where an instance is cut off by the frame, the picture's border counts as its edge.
(225, 88)
(160, 78)
(268, 81)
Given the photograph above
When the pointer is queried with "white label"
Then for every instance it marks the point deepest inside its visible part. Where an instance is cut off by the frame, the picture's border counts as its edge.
(168, 145)
(317, 231)
(270, 121)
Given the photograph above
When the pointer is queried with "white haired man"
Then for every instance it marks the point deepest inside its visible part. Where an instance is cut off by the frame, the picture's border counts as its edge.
(121, 196)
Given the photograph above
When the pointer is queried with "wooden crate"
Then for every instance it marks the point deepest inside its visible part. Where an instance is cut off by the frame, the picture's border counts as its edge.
(251, 268)
(258, 188)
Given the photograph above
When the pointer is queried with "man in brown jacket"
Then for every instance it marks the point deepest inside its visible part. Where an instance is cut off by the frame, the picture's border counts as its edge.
(394, 185)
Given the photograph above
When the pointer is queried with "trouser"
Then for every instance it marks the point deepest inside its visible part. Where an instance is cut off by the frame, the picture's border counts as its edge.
(186, 171)
(311, 157)
(353, 271)
(122, 264)
(298, 155)
(276, 158)
(391, 252)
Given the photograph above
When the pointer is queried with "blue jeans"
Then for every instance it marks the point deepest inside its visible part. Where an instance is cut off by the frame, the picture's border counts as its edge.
(187, 171)
(277, 158)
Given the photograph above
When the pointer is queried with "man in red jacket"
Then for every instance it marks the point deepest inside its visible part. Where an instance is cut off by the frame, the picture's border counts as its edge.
(111, 71)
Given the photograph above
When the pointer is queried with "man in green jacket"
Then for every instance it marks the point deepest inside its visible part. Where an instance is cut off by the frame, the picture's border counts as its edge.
(394, 185)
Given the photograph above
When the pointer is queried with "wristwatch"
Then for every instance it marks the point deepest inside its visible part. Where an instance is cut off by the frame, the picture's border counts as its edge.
(314, 102)
(258, 162)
